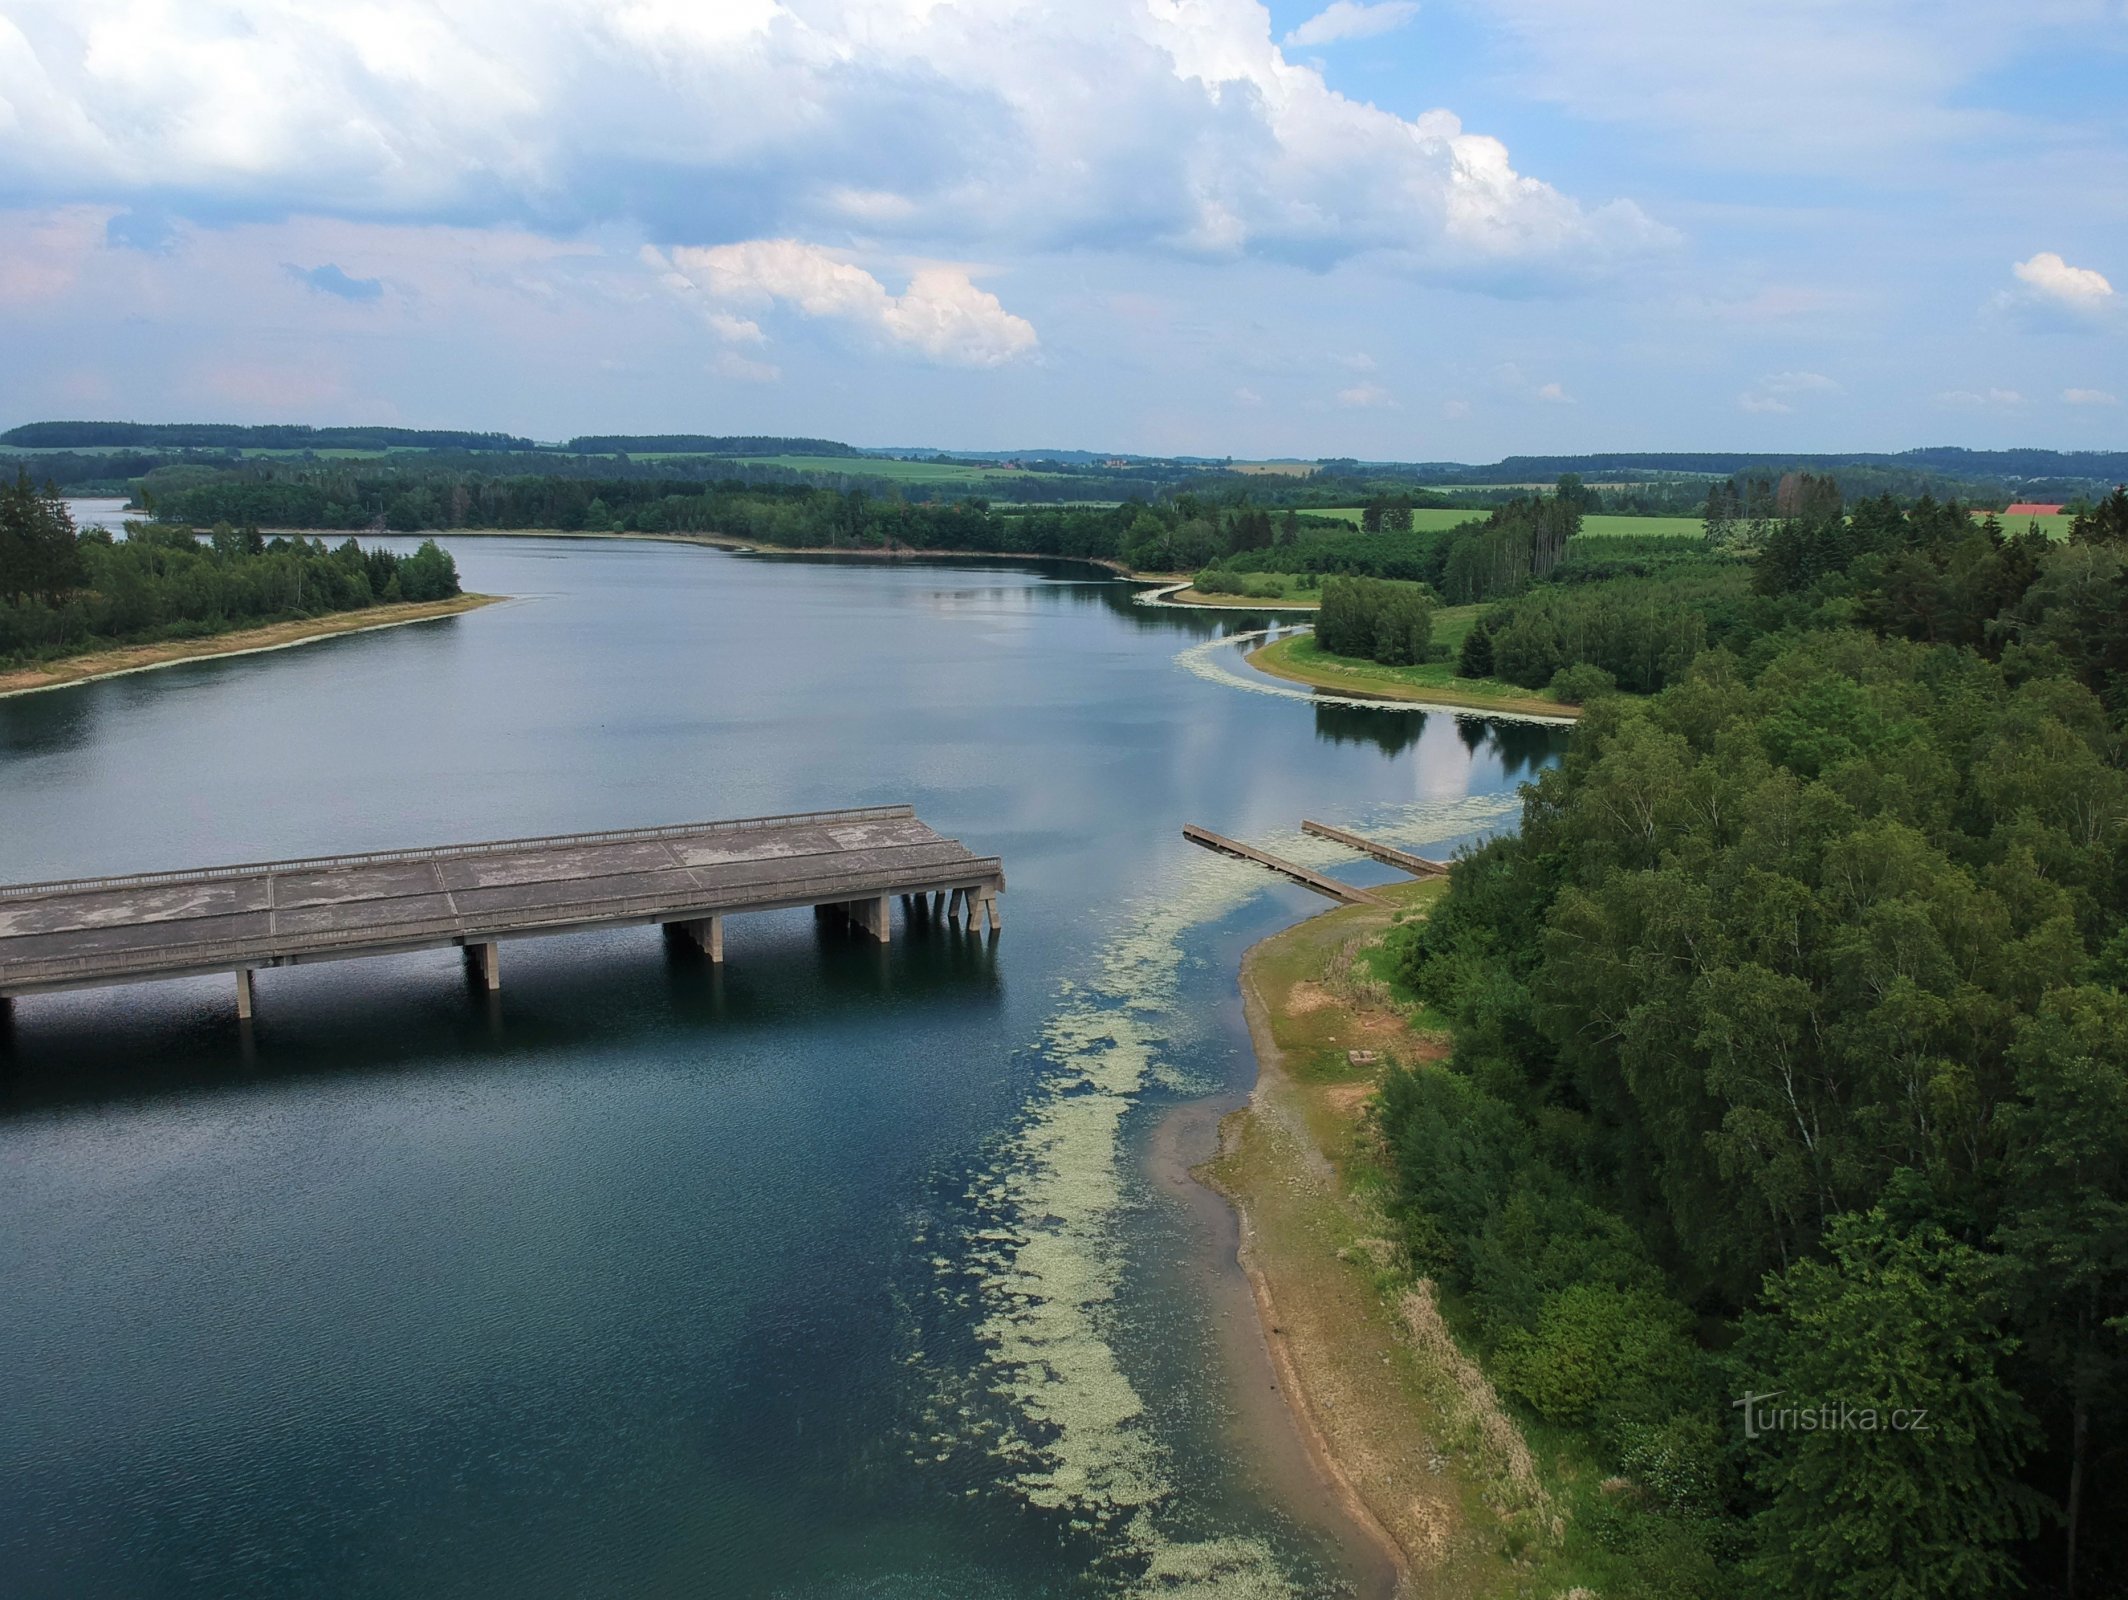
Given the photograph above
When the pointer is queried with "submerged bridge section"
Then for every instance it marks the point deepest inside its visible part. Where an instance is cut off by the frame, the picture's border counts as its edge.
(1307, 877)
(90, 932)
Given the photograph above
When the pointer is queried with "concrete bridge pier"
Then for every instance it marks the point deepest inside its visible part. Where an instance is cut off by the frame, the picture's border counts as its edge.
(243, 994)
(707, 934)
(484, 957)
(875, 916)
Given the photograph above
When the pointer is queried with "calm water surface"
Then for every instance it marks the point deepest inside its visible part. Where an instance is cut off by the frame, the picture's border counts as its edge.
(836, 1272)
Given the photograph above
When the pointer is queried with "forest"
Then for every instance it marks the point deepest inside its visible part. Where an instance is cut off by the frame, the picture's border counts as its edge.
(1791, 1059)
(63, 591)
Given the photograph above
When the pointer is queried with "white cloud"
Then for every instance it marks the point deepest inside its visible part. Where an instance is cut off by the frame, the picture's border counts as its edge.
(2053, 279)
(1365, 396)
(942, 316)
(1775, 391)
(1247, 397)
(1455, 410)
(1555, 394)
(2090, 397)
(1353, 19)
(730, 364)
(735, 330)
(1972, 400)
(1175, 125)
(1799, 383)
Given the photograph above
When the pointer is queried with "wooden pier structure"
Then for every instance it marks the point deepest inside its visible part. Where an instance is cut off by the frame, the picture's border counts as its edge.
(1306, 877)
(91, 932)
(1389, 855)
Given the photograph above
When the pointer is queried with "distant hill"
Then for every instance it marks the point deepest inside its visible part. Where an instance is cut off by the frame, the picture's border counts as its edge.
(241, 436)
(704, 444)
(1948, 460)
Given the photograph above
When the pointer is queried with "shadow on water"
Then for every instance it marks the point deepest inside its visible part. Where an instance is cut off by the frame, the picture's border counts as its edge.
(142, 1042)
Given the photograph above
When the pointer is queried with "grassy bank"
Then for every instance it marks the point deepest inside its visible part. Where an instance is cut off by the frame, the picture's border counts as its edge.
(109, 661)
(1402, 1425)
(1301, 660)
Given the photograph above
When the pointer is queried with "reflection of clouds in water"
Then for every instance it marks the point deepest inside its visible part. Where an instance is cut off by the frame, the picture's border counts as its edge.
(1049, 1255)
(1206, 661)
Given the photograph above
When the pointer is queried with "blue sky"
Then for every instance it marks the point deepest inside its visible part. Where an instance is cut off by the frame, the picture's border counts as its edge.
(1448, 229)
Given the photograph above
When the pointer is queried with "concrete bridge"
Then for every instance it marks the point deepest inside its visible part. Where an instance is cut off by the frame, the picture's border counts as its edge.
(90, 932)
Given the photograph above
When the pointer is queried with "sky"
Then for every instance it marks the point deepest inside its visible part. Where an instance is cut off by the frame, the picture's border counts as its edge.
(1391, 229)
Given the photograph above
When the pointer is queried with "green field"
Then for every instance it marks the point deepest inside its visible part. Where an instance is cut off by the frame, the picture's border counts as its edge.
(1646, 527)
(1426, 519)
(2055, 528)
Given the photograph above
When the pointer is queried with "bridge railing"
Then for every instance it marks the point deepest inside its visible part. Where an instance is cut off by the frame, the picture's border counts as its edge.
(432, 931)
(445, 852)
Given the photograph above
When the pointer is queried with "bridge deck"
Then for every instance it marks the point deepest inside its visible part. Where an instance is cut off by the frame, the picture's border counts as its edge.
(278, 913)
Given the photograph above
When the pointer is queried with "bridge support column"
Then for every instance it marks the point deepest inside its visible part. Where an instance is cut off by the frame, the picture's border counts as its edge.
(708, 935)
(875, 916)
(243, 994)
(487, 957)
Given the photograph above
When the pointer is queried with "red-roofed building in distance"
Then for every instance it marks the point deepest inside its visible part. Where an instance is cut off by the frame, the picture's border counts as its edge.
(2033, 511)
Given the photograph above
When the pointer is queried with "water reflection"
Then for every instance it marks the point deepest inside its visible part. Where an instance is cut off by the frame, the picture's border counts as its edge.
(1392, 733)
(403, 1015)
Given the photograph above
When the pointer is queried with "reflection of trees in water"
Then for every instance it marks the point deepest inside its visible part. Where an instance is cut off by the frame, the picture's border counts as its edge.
(54, 720)
(1520, 746)
(1526, 746)
(1392, 732)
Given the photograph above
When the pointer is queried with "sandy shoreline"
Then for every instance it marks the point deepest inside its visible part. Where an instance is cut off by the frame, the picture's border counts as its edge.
(121, 660)
(1397, 1426)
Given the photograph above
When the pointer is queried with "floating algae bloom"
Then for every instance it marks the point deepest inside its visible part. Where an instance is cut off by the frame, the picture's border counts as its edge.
(1048, 1258)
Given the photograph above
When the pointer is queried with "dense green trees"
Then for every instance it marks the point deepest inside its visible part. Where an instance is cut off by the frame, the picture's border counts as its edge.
(1797, 1004)
(1377, 620)
(60, 591)
(39, 558)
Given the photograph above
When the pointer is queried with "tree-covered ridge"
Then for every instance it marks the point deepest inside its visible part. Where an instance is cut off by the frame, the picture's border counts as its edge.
(1792, 1055)
(243, 436)
(707, 444)
(63, 591)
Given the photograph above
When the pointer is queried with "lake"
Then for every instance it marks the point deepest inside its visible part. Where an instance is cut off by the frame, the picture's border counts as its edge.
(839, 1271)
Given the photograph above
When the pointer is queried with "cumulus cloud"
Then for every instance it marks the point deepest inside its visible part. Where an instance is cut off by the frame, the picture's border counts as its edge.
(1365, 396)
(1555, 394)
(2090, 397)
(1974, 399)
(1176, 125)
(731, 364)
(942, 316)
(1353, 19)
(2053, 280)
(1776, 392)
